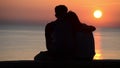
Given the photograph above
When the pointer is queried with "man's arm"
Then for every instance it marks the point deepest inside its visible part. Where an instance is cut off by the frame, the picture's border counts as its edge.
(48, 31)
(88, 28)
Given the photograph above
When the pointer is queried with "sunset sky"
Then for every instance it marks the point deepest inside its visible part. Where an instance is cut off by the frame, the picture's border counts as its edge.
(43, 10)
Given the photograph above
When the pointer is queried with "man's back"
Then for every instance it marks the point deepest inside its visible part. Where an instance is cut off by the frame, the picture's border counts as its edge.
(58, 37)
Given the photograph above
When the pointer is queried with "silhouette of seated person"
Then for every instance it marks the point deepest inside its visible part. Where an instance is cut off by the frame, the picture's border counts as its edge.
(55, 34)
(84, 48)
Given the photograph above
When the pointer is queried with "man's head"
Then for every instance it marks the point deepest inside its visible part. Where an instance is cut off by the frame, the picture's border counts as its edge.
(60, 11)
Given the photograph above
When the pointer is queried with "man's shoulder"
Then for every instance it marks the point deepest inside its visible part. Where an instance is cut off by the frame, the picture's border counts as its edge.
(51, 23)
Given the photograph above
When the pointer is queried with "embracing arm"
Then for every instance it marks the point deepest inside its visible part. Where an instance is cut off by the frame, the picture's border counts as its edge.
(88, 28)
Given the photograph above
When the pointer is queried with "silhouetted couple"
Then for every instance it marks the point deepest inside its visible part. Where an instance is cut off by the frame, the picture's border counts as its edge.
(67, 38)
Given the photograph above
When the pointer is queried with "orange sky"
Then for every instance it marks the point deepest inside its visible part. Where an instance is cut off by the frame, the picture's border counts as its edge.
(44, 10)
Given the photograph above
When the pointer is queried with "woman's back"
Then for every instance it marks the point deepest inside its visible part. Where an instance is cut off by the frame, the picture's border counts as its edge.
(84, 47)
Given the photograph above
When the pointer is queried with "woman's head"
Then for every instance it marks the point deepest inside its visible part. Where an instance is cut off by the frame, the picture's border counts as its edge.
(72, 17)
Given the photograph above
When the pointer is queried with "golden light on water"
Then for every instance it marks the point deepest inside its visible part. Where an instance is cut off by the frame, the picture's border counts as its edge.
(98, 55)
(98, 46)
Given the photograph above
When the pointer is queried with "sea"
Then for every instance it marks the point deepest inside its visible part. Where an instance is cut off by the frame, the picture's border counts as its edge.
(23, 42)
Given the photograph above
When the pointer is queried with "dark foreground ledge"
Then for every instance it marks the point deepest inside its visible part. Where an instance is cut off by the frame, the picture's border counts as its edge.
(60, 64)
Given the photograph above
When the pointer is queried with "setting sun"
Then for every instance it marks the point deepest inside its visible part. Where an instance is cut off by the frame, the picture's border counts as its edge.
(97, 13)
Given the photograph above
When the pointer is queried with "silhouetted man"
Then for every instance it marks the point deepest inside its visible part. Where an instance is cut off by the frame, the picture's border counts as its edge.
(55, 33)
(60, 12)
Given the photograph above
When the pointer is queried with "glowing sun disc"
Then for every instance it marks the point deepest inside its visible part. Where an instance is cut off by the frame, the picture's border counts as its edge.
(97, 13)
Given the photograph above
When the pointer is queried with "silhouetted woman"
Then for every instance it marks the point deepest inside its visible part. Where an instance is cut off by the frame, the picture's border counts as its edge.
(84, 47)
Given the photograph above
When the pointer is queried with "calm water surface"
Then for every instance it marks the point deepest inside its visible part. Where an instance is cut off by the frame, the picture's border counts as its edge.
(24, 42)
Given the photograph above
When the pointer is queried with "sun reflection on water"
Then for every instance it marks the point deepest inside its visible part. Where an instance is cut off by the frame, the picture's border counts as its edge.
(97, 46)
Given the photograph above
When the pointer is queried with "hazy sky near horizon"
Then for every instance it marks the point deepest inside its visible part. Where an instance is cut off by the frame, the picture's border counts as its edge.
(37, 10)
